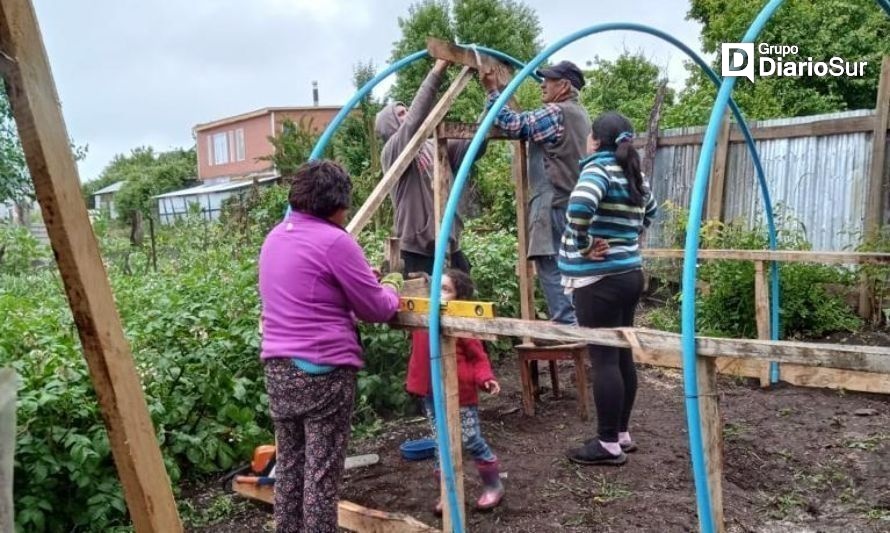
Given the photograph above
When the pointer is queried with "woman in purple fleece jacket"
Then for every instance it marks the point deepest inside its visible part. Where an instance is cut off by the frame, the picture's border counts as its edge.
(314, 283)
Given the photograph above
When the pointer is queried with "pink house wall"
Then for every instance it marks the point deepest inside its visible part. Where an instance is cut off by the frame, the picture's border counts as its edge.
(255, 130)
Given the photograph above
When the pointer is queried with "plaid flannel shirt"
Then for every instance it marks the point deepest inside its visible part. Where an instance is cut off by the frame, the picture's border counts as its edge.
(542, 125)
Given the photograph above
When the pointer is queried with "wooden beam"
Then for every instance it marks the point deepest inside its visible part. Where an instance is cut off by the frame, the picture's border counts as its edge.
(8, 387)
(35, 104)
(460, 55)
(651, 144)
(350, 516)
(393, 254)
(442, 179)
(789, 256)
(524, 265)
(712, 435)
(717, 186)
(354, 517)
(761, 314)
(392, 176)
(862, 358)
(452, 410)
(467, 130)
(876, 185)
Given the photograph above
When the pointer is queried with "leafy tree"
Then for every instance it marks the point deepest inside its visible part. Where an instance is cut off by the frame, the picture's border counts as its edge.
(146, 174)
(15, 182)
(15, 179)
(628, 85)
(506, 25)
(856, 30)
(292, 146)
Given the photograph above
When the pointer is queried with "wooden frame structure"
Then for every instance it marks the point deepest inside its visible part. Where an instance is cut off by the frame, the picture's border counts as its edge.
(809, 364)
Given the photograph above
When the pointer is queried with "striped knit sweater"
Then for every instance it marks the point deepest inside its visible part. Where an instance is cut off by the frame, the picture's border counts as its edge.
(600, 207)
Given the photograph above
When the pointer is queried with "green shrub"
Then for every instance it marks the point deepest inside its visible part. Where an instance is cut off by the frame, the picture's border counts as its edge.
(726, 306)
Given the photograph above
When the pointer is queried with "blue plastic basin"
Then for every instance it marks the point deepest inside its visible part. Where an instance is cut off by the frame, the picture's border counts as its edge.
(418, 450)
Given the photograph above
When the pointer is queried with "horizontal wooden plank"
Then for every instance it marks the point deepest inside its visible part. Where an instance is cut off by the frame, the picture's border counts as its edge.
(788, 131)
(467, 130)
(791, 256)
(862, 358)
(460, 55)
(350, 516)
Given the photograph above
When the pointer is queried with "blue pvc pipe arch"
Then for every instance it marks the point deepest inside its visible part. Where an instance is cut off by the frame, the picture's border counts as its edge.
(395, 67)
(691, 250)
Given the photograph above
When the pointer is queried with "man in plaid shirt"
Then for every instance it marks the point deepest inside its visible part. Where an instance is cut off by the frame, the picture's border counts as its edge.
(557, 133)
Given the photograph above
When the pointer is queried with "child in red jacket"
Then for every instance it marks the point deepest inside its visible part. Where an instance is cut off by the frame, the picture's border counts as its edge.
(474, 371)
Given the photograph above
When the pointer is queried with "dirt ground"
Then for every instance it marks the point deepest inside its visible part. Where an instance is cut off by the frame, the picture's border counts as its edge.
(795, 460)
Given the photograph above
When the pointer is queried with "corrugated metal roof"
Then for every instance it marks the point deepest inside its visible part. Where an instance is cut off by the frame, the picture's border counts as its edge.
(213, 188)
(114, 187)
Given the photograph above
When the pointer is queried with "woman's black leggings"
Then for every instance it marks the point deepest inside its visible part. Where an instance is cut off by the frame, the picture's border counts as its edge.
(611, 302)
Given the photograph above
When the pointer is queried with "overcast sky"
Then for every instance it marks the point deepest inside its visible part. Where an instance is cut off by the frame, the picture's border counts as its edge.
(137, 72)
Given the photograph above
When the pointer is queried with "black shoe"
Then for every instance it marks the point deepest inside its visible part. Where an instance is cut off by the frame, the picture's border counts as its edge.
(594, 454)
(628, 447)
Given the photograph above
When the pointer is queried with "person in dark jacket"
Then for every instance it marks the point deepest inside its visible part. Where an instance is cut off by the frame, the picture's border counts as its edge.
(412, 195)
(557, 134)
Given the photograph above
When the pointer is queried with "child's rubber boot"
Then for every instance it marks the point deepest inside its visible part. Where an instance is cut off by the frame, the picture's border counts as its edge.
(493, 489)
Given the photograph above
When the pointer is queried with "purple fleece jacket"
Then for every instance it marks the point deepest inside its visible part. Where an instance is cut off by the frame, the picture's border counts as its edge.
(314, 281)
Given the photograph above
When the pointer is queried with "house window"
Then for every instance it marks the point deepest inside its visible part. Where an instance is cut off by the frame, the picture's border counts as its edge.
(220, 149)
(210, 150)
(239, 144)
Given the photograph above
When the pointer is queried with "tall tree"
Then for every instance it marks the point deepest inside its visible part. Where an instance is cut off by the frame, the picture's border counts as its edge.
(506, 25)
(856, 30)
(292, 146)
(15, 181)
(628, 85)
(146, 173)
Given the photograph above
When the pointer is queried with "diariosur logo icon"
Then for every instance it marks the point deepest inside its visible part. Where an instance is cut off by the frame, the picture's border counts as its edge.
(783, 60)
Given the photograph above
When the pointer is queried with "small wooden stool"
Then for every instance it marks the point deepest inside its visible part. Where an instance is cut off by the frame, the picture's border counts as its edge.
(529, 355)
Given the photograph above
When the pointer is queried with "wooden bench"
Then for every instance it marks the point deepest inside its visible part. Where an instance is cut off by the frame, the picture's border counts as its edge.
(529, 355)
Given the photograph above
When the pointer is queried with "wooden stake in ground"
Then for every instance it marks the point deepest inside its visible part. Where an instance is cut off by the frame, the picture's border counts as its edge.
(442, 183)
(876, 183)
(35, 104)
(712, 435)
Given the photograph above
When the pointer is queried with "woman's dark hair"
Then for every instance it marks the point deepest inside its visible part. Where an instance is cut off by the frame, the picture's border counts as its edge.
(615, 133)
(320, 188)
(463, 285)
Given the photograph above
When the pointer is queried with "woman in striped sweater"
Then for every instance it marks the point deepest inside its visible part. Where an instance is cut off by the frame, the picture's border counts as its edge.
(601, 267)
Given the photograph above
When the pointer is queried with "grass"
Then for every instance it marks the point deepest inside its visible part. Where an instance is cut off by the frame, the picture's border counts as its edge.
(219, 508)
(732, 431)
(869, 443)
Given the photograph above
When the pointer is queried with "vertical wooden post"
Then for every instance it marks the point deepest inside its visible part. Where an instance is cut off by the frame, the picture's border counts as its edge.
(35, 104)
(8, 386)
(154, 252)
(761, 313)
(712, 434)
(452, 408)
(717, 187)
(524, 266)
(393, 254)
(876, 185)
(441, 186)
